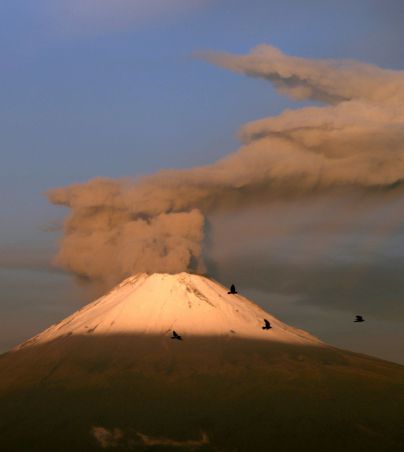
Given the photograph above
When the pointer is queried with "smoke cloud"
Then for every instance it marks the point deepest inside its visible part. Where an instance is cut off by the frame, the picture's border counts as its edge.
(108, 236)
(354, 141)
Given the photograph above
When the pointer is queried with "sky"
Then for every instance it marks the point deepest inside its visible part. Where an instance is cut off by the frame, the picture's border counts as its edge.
(95, 88)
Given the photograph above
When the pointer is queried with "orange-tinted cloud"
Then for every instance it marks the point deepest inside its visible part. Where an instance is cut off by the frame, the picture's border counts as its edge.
(355, 141)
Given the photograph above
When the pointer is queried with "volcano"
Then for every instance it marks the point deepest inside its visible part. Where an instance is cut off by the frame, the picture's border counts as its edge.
(157, 304)
(110, 377)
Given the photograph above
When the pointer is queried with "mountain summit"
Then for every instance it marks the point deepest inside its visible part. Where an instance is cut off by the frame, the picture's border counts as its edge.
(157, 304)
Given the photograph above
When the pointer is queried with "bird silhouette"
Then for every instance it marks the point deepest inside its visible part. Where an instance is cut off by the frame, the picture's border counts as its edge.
(267, 325)
(359, 318)
(232, 290)
(176, 336)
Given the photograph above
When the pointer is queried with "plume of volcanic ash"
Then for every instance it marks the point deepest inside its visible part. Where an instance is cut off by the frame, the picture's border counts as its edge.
(354, 140)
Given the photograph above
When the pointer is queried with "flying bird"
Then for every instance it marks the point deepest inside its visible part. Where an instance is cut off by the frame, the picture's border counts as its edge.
(176, 336)
(359, 318)
(233, 290)
(267, 325)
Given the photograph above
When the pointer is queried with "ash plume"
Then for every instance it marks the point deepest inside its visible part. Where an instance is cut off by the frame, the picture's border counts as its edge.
(354, 140)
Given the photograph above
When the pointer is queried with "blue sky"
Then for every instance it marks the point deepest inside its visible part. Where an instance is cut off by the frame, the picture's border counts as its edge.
(83, 96)
(79, 101)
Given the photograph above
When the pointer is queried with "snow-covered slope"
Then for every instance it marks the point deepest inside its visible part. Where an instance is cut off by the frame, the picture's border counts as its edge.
(157, 304)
